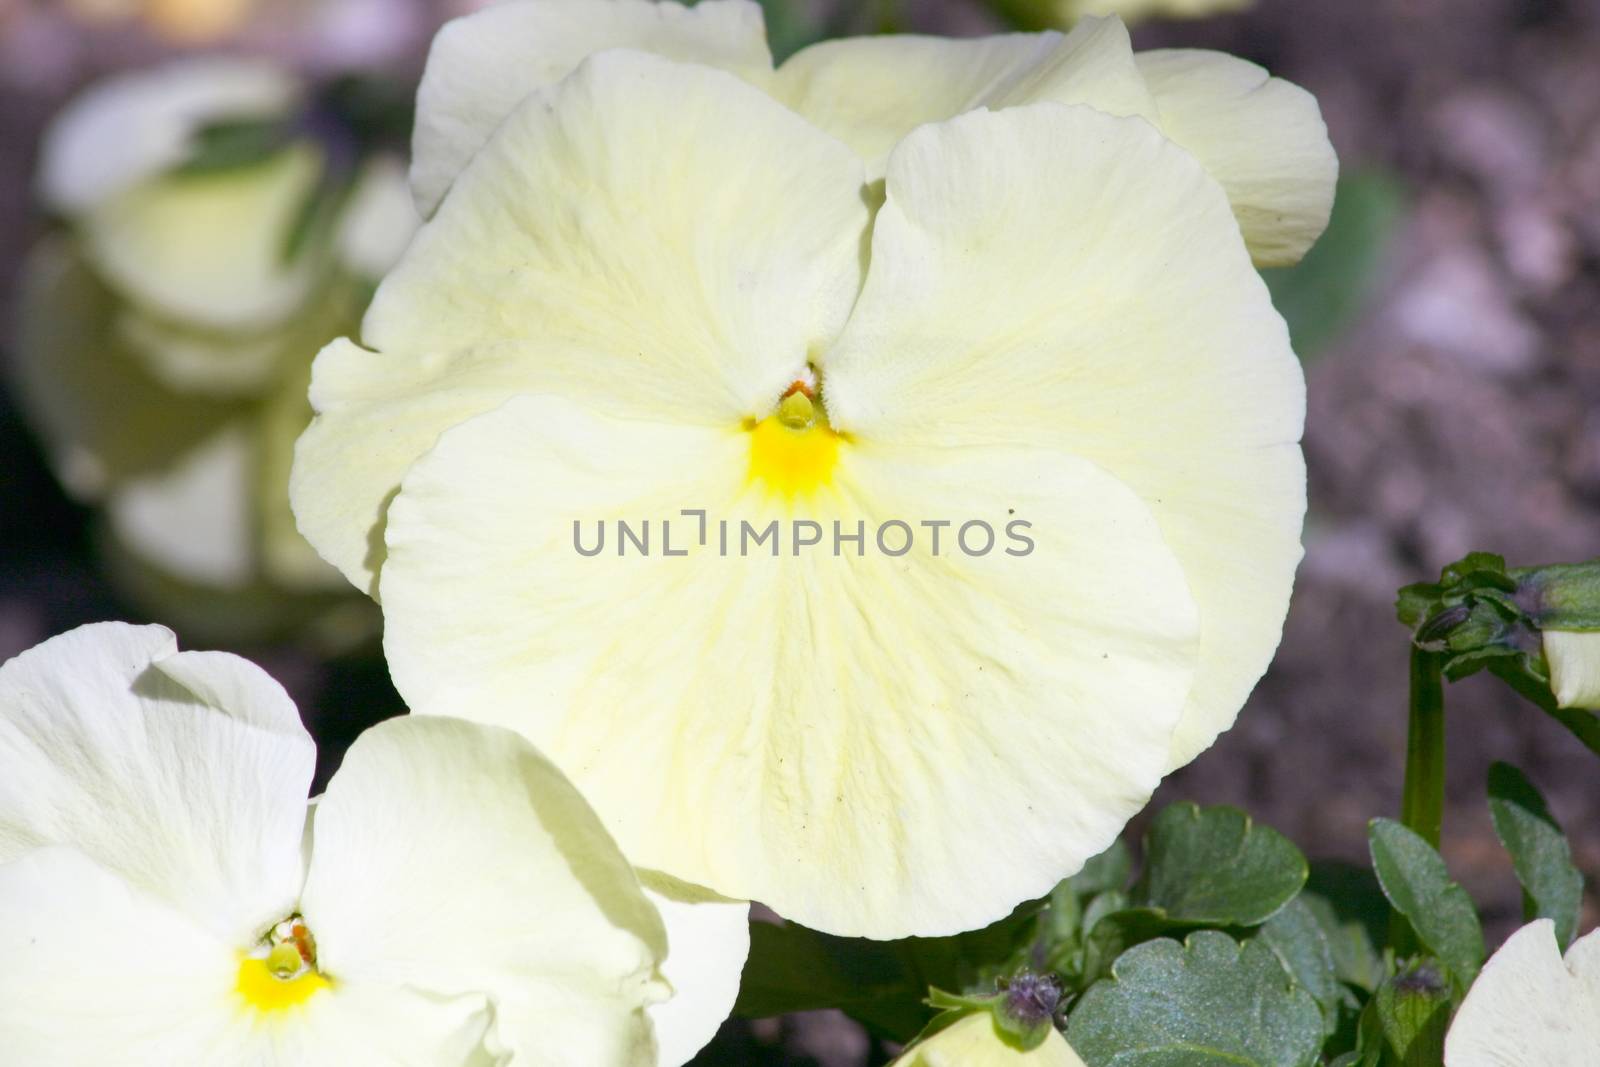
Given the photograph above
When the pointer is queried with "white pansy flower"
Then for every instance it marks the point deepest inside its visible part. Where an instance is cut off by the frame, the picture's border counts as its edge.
(1530, 1007)
(169, 899)
(1261, 137)
(657, 289)
(975, 1042)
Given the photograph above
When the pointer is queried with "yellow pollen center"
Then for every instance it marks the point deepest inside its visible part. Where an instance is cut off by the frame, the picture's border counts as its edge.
(794, 451)
(264, 991)
(287, 975)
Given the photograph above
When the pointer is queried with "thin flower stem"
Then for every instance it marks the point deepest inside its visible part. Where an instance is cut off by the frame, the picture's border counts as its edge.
(1422, 803)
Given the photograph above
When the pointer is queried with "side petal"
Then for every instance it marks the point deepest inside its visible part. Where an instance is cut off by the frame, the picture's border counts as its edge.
(1528, 1006)
(1262, 137)
(660, 237)
(708, 940)
(873, 746)
(1574, 660)
(125, 130)
(97, 972)
(1122, 322)
(481, 66)
(872, 91)
(183, 773)
(496, 879)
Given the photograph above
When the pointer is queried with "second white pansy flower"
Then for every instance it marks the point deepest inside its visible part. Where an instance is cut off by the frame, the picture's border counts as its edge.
(454, 900)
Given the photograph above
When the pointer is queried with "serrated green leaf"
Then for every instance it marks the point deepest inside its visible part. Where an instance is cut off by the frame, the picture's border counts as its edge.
(1296, 938)
(1207, 1001)
(1115, 933)
(1552, 886)
(1214, 867)
(1418, 885)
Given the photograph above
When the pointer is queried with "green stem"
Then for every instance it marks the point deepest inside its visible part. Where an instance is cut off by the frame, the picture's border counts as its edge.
(1422, 803)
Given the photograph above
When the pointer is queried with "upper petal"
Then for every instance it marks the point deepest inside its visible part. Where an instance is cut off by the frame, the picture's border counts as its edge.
(183, 773)
(481, 66)
(454, 859)
(874, 746)
(660, 237)
(1057, 276)
(1529, 1007)
(708, 940)
(872, 91)
(1262, 137)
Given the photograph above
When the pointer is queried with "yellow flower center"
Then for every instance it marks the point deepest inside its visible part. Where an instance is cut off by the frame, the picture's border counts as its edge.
(793, 451)
(286, 977)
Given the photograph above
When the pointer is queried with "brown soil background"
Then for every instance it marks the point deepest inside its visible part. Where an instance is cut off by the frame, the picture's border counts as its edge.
(1462, 411)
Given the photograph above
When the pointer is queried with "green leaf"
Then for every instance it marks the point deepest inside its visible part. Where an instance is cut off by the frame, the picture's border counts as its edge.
(233, 145)
(1327, 290)
(1109, 870)
(1412, 1010)
(1297, 939)
(1207, 1001)
(1354, 914)
(1552, 886)
(1418, 885)
(1214, 867)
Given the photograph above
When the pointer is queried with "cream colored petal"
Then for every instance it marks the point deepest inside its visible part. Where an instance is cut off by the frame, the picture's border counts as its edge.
(495, 878)
(482, 66)
(195, 520)
(184, 773)
(372, 1025)
(1529, 1008)
(1574, 660)
(708, 940)
(92, 400)
(128, 129)
(872, 91)
(98, 973)
(1262, 137)
(1055, 276)
(876, 746)
(660, 237)
(209, 248)
(973, 1042)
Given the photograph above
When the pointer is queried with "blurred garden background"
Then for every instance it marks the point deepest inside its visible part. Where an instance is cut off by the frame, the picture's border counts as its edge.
(1449, 322)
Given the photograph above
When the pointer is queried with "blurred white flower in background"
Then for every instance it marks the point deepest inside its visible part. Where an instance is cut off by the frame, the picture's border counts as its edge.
(217, 232)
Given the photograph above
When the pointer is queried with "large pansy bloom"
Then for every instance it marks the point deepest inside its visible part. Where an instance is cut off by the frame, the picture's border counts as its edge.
(1531, 1007)
(167, 900)
(656, 289)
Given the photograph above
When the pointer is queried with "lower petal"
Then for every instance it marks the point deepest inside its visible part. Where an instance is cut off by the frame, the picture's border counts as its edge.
(708, 940)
